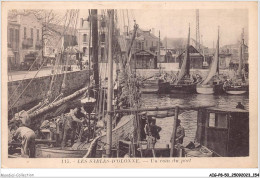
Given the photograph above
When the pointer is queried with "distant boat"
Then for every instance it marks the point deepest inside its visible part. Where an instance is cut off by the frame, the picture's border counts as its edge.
(184, 83)
(236, 89)
(239, 85)
(212, 84)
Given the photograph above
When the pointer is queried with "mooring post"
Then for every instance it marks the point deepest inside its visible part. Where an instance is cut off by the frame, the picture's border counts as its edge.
(174, 130)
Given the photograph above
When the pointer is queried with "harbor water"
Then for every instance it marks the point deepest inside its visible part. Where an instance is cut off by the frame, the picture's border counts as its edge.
(188, 118)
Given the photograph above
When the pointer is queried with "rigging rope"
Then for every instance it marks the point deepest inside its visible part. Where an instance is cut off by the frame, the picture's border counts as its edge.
(75, 14)
(34, 76)
(22, 79)
(25, 88)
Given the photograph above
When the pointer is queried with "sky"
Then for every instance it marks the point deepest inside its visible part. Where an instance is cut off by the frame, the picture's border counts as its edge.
(174, 23)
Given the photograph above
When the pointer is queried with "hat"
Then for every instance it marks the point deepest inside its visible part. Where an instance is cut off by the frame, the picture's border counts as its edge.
(24, 117)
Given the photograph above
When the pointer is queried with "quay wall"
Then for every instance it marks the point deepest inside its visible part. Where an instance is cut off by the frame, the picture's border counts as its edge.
(39, 86)
(202, 72)
(165, 67)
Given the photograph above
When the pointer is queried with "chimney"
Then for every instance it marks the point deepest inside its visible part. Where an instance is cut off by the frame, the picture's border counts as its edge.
(153, 31)
(81, 22)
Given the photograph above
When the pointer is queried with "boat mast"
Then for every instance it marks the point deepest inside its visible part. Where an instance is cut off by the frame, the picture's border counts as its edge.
(241, 54)
(166, 51)
(188, 54)
(110, 83)
(217, 53)
(95, 46)
(159, 51)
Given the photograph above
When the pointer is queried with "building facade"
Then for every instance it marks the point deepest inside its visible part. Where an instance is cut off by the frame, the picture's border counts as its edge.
(196, 58)
(233, 52)
(13, 40)
(24, 38)
(83, 37)
(145, 40)
(85, 40)
(144, 59)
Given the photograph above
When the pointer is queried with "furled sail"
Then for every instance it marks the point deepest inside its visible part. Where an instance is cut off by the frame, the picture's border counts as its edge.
(215, 64)
(240, 66)
(185, 67)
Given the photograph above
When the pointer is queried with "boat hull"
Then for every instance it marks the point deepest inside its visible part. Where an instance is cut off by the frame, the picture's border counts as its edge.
(210, 89)
(233, 92)
(163, 87)
(150, 87)
(218, 88)
(236, 90)
(57, 152)
(182, 89)
(205, 89)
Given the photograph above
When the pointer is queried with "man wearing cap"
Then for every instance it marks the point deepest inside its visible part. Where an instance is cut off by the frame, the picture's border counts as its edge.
(180, 132)
(23, 116)
(28, 140)
(70, 125)
(152, 132)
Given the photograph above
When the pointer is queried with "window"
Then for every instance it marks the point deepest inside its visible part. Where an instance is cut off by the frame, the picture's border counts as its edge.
(38, 34)
(85, 38)
(31, 33)
(212, 120)
(11, 35)
(16, 39)
(142, 45)
(16, 35)
(146, 43)
(103, 38)
(218, 120)
(24, 33)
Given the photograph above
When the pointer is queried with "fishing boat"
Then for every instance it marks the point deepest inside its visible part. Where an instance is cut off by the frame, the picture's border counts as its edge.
(123, 129)
(220, 132)
(236, 88)
(150, 85)
(184, 82)
(212, 84)
(59, 105)
(240, 84)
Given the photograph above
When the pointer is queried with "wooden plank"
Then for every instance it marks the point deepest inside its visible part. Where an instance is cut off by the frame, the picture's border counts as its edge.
(160, 109)
(174, 130)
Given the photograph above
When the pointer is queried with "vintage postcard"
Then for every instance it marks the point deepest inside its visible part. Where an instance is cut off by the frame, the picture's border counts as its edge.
(129, 85)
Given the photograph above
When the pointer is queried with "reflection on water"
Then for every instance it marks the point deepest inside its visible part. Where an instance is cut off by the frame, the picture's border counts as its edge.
(188, 119)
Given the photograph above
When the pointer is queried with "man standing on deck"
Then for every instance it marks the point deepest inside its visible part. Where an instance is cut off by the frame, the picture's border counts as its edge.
(28, 141)
(70, 125)
(180, 133)
(152, 132)
(240, 105)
